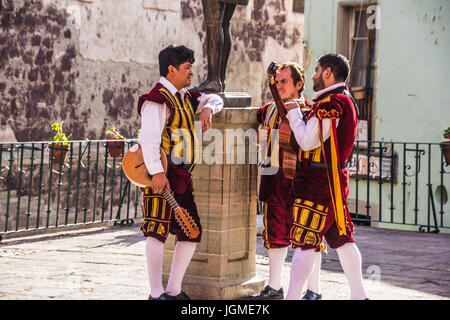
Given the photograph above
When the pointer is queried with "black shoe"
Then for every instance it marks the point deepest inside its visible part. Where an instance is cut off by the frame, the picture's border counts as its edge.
(268, 293)
(163, 296)
(310, 295)
(181, 296)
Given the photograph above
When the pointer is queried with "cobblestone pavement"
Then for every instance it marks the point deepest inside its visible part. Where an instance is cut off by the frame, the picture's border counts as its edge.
(109, 263)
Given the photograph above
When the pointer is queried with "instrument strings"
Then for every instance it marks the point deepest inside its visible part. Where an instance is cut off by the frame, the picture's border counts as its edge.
(168, 196)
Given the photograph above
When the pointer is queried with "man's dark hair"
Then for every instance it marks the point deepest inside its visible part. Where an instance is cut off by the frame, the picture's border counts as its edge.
(339, 65)
(297, 73)
(174, 56)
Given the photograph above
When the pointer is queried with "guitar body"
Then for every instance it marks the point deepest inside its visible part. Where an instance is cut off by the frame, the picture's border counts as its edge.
(133, 166)
(288, 144)
(286, 137)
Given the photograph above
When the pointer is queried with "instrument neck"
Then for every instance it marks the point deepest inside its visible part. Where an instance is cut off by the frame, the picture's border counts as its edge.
(278, 101)
(170, 199)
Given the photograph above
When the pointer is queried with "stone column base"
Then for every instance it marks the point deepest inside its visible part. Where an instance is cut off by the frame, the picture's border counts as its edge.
(223, 265)
(206, 289)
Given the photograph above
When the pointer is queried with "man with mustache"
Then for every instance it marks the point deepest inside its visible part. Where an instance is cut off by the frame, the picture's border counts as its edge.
(167, 114)
(326, 138)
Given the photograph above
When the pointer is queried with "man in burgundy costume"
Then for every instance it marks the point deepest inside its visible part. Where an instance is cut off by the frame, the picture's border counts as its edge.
(168, 115)
(326, 138)
(276, 189)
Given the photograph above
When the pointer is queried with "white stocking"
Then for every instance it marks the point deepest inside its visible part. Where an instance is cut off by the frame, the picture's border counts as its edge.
(350, 260)
(276, 261)
(301, 267)
(314, 277)
(182, 256)
(154, 250)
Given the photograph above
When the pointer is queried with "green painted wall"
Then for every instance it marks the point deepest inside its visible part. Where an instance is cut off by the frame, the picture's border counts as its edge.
(413, 64)
(413, 96)
(319, 35)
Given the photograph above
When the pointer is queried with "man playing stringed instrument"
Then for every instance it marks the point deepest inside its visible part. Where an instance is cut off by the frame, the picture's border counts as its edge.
(167, 114)
(326, 137)
(275, 188)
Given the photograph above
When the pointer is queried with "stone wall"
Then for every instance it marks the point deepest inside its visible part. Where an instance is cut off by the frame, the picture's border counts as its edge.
(85, 62)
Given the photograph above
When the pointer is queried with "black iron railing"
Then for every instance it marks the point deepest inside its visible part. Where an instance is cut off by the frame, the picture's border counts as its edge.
(39, 190)
(399, 183)
(391, 184)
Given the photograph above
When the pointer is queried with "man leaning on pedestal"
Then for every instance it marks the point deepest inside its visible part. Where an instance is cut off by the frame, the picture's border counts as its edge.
(166, 112)
(326, 137)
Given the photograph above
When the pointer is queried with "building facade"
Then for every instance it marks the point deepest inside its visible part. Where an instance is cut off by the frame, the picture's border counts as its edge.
(85, 62)
(398, 52)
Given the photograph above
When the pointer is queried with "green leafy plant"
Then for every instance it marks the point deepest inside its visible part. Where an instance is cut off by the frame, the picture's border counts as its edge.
(114, 134)
(447, 133)
(60, 136)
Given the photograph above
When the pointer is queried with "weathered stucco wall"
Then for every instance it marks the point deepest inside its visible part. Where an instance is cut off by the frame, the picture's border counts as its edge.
(87, 61)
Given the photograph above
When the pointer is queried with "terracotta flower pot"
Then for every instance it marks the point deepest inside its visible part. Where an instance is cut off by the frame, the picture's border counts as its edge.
(58, 152)
(445, 147)
(115, 148)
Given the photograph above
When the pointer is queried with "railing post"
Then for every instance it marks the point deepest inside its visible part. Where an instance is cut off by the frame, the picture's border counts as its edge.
(11, 159)
(86, 195)
(19, 188)
(69, 189)
(392, 181)
(380, 182)
(95, 182)
(105, 181)
(61, 165)
(30, 188)
(357, 179)
(41, 170)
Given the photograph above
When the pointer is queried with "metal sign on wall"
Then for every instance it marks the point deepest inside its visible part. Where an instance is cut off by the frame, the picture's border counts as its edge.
(370, 167)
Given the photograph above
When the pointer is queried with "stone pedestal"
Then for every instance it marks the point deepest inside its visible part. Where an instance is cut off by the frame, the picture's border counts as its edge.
(223, 266)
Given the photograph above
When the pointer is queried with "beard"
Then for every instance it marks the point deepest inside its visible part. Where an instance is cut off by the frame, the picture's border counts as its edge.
(318, 84)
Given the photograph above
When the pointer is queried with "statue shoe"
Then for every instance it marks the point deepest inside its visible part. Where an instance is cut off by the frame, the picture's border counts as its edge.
(209, 86)
(268, 293)
(311, 295)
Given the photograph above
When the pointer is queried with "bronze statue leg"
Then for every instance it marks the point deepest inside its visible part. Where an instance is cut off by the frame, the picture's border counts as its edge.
(228, 13)
(213, 11)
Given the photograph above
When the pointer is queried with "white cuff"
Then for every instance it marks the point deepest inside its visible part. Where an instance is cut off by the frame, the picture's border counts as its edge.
(294, 114)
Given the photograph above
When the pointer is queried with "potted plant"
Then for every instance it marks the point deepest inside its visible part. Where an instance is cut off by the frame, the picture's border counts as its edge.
(445, 146)
(59, 148)
(115, 148)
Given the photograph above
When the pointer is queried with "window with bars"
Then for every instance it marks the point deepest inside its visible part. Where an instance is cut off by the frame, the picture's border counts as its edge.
(362, 55)
(362, 50)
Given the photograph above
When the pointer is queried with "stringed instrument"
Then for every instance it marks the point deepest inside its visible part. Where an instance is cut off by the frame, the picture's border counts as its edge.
(287, 142)
(133, 166)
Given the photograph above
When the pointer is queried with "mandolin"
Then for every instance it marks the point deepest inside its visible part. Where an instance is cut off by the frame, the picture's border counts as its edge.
(133, 166)
(287, 142)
